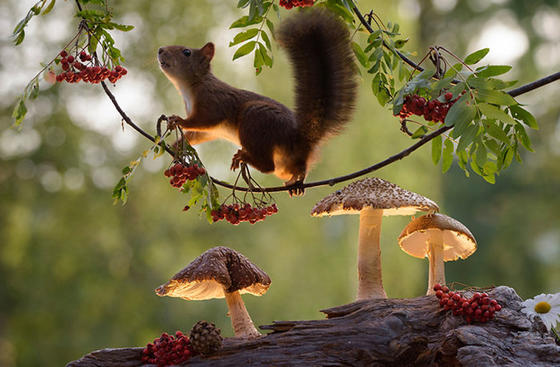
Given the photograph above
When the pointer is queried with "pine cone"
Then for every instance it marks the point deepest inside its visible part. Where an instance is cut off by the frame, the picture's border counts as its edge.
(205, 338)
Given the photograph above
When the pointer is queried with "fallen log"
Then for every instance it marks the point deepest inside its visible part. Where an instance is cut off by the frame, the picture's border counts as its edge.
(387, 332)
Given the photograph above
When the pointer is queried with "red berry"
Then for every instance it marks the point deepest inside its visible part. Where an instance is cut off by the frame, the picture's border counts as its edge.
(437, 287)
(448, 95)
(63, 53)
(498, 307)
(445, 289)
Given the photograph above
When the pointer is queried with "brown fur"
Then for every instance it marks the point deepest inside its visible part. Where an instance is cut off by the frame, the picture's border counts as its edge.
(273, 139)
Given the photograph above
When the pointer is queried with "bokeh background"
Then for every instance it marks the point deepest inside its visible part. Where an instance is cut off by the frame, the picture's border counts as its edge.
(77, 273)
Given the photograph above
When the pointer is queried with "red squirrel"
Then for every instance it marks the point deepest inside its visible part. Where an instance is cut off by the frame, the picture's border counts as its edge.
(273, 138)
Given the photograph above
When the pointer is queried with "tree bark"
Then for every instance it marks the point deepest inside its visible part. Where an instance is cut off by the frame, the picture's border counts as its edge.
(380, 332)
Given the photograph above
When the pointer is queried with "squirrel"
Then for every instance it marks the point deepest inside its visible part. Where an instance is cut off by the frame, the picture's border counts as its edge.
(273, 138)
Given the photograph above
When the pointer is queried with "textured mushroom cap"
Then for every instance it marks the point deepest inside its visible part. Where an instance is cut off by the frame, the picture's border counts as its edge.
(375, 193)
(458, 241)
(216, 271)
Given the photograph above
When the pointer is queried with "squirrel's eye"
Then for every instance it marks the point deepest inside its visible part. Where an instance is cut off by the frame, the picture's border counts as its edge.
(187, 52)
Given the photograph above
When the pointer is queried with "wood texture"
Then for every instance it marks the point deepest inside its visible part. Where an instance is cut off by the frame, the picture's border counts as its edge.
(391, 332)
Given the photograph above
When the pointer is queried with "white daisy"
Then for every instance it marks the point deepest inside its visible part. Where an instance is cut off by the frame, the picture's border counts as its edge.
(546, 306)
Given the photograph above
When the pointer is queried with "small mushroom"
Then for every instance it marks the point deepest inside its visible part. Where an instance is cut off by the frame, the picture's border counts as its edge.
(440, 238)
(372, 198)
(221, 272)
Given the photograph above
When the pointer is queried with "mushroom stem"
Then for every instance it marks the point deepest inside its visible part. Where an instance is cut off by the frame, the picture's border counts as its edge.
(435, 257)
(370, 284)
(240, 320)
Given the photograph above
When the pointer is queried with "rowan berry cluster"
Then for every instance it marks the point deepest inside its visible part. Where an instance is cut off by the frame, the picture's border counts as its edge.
(288, 4)
(479, 307)
(235, 213)
(432, 110)
(180, 173)
(168, 350)
(81, 68)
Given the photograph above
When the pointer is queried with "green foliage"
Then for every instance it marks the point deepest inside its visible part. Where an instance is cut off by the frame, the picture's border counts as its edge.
(487, 122)
(93, 34)
(256, 39)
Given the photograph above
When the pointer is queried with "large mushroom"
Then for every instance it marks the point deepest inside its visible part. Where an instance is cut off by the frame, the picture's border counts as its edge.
(221, 272)
(439, 238)
(372, 198)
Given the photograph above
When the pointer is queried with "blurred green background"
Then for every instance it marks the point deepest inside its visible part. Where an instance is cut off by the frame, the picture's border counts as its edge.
(77, 273)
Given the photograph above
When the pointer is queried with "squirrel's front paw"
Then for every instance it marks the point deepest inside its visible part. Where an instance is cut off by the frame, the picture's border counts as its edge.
(174, 120)
(236, 160)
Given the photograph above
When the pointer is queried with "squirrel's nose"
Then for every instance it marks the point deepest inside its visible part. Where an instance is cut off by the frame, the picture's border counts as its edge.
(160, 50)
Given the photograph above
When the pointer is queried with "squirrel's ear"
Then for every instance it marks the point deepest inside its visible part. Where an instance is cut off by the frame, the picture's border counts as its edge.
(208, 50)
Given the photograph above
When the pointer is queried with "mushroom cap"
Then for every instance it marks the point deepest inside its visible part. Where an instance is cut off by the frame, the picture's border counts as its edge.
(375, 193)
(458, 241)
(216, 271)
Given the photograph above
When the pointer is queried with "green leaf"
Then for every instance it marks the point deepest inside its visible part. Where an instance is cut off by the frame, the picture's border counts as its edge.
(508, 157)
(439, 85)
(244, 36)
(458, 88)
(270, 26)
(476, 56)
(400, 43)
(447, 156)
(524, 115)
(244, 22)
(495, 131)
(49, 7)
(19, 111)
(436, 149)
(523, 137)
(493, 112)
(373, 37)
(495, 97)
(481, 154)
(259, 60)
(244, 50)
(19, 38)
(420, 132)
(266, 57)
(242, 4)
(460, 113)
(492, 70)
(468, 137)
(380, 90)
(360, 55)
(122, 27)
(339, 10)
(453, 70)
(266, 40)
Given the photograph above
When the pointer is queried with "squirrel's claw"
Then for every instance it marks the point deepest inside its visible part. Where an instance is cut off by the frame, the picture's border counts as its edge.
(174, 120)
(297, 188)
(236, 160)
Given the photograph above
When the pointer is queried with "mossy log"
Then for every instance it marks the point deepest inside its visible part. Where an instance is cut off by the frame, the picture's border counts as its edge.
(388, 332)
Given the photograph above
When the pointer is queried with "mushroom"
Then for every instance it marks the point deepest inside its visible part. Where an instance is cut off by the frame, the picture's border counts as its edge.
(372, 198)
(217, 273)
(440, 238)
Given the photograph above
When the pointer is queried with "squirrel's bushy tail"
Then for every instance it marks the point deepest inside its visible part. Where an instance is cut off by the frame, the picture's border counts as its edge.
(318, 44)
